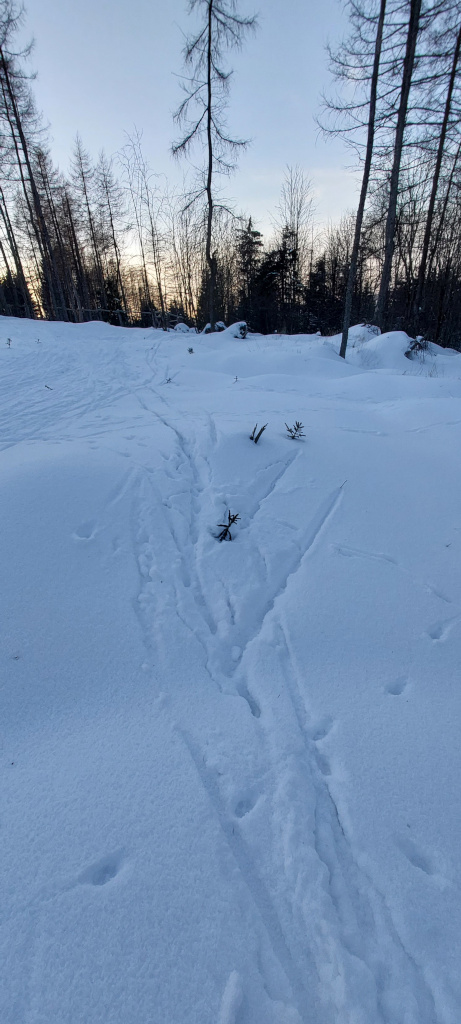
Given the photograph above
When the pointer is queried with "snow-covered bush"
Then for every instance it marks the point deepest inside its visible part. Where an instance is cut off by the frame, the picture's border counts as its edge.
(418, 346)
(362, 333)
(238, 330)
(218, 327)
(184, 329)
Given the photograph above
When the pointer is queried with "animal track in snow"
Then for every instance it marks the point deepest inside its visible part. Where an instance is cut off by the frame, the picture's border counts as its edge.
(397, 686)
(317, 734)
(253, 705)
(323, 763)
(103, 871)
(440, 630)
(322, 729)
(244, 806)
(417, 857)
(86, 531)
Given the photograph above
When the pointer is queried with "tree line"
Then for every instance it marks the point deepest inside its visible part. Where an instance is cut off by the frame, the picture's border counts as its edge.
(110, 241)
(399, 109)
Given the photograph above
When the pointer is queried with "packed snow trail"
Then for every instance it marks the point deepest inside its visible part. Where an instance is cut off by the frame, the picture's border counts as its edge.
(230, 770)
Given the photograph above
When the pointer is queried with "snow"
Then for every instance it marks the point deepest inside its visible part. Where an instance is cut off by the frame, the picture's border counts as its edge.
(230, 771)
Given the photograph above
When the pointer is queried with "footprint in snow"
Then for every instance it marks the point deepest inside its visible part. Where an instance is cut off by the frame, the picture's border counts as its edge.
(397, 686)
(322, 729)
(415, 855)
(253, 705)
(323, 764)
(244, 806)
(440, 630)
(103, 871)
(85, 531)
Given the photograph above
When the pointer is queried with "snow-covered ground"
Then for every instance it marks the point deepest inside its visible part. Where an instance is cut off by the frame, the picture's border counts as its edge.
(230, 771)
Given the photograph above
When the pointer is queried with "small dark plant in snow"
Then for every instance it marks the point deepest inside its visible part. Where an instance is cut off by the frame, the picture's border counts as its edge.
(225, 527)
(417, 346)
(256, 434)
(296, 431)
(190, 351)
(8, 341)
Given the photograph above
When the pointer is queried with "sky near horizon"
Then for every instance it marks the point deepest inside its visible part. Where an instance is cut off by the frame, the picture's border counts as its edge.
(106, 66)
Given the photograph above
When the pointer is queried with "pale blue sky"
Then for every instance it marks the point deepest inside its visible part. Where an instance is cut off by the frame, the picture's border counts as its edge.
(107, 65)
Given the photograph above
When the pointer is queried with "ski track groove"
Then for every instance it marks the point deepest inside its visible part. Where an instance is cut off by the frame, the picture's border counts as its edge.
(316, 527)
(379, 556)
(187, 552)
(286, 464)
(257, 889)
(331, 844)
(335, 851)
(241, 853)
(189, 470)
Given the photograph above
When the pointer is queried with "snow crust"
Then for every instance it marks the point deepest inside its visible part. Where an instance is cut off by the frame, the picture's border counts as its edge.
(230, 771)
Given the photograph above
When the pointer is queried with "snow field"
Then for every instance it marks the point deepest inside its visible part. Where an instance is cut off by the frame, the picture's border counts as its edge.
(230, 771)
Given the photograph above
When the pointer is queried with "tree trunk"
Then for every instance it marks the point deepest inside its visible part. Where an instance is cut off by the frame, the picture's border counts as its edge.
(408, 65)
(365, 181)
(210, 257)
(54, 280)
(17, 259)
(435, 183)
(84, 298)
(441, 223)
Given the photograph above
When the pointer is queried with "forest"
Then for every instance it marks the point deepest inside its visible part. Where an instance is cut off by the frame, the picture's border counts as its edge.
(107, 241)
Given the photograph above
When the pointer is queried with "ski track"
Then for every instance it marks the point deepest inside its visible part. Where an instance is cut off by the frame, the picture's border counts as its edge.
(357, 925)
(357, 909)
(258, 891)
(342, 948)
(379, 556)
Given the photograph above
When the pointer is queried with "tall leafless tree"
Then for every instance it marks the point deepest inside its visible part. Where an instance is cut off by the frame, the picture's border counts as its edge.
(407, 76)
(201, 113)
(365, 180)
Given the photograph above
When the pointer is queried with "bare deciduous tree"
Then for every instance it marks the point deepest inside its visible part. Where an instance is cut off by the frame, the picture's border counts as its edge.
(407, 76)
(201, 112)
